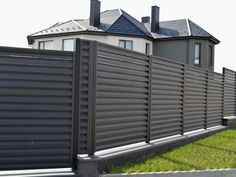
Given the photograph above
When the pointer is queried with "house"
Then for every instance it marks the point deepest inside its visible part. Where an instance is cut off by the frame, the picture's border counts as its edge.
(179, 40)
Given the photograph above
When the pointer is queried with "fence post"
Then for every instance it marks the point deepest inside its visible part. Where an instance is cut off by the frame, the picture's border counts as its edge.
(223, 103)
(76, 102)
(207, 97)
(148, 138)
(234, 93)
(92, 97)
(183, 101)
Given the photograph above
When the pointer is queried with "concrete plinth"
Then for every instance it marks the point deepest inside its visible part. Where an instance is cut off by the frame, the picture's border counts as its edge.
(92, 166)
(229, 121)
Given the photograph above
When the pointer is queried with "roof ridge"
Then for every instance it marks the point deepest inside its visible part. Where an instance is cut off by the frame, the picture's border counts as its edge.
(76, 23)
(189, 28)
(173, 20)
(110, 10)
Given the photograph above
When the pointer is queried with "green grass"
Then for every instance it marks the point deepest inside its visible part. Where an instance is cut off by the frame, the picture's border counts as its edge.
(213, 152)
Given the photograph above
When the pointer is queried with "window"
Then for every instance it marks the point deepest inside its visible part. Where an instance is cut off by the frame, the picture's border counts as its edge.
(197, 58)
(210, 55)
(147, 49)
(126, 44)
(46, 45)
(68, 45)
(41, 45)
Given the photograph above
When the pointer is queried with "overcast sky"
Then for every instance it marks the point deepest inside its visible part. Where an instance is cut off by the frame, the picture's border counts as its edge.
(20, 18)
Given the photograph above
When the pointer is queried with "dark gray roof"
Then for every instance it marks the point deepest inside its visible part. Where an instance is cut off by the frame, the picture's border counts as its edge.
(118, 22)
(174, 28)
(112, 21)
(181, 28)
(197, 30)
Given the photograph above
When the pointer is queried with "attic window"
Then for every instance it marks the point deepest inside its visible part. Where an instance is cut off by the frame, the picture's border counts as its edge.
(126, 44)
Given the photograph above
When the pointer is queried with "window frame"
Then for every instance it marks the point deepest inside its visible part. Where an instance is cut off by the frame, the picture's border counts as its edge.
(125, 44)
(199, 53)
(210, 56)
(43, 42)
(148, 49)
(64, 45)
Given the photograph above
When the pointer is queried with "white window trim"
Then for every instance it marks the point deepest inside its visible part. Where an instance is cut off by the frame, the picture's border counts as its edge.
(44, 44)
(200, 51)
(65, 40)
(132, 42)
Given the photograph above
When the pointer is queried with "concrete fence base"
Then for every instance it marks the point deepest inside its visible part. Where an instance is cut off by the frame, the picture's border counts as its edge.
(200, 173)
(63, 172)
(92, 166)
(229, 121)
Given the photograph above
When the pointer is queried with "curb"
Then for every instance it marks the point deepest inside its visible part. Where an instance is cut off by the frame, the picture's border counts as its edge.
(194, 173)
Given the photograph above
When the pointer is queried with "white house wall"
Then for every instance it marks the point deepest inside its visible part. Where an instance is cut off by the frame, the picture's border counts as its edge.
(139, 44)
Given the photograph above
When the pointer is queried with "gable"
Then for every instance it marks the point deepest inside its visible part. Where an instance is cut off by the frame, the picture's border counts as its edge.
(124, 26)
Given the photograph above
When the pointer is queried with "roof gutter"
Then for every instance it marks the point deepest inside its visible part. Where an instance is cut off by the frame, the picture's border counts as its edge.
(214, 40)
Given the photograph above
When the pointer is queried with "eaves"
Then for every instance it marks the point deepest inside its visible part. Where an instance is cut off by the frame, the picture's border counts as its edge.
(99, 33)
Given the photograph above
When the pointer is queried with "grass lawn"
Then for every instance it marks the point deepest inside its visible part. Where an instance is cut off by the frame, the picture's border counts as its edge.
(212, 152)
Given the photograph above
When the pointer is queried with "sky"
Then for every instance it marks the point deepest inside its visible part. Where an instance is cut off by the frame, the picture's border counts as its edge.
(20, 18)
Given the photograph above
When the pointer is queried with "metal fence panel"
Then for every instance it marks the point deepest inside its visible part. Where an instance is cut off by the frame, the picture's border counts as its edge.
(35, 109)
(166, 98)
(195, 98)
(122, 97)
(54, 104)
(214, 99)
(229, 92)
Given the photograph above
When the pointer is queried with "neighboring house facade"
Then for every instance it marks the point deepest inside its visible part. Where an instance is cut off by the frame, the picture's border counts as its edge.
(179, 40)
(186, 42)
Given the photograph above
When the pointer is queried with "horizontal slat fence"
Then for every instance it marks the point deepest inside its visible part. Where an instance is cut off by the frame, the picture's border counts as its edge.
(167, 98)
(229, 92)
(214, 99)
(121, 97)
(36, 90)
(54, 105)
(139, 98)
(195, 98)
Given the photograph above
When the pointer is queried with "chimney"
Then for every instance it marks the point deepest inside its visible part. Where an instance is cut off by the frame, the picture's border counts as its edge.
(145, 19)
(155, 19)
(95, 13)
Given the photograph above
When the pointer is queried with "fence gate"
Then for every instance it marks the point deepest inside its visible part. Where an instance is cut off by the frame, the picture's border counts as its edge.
(36, 101)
